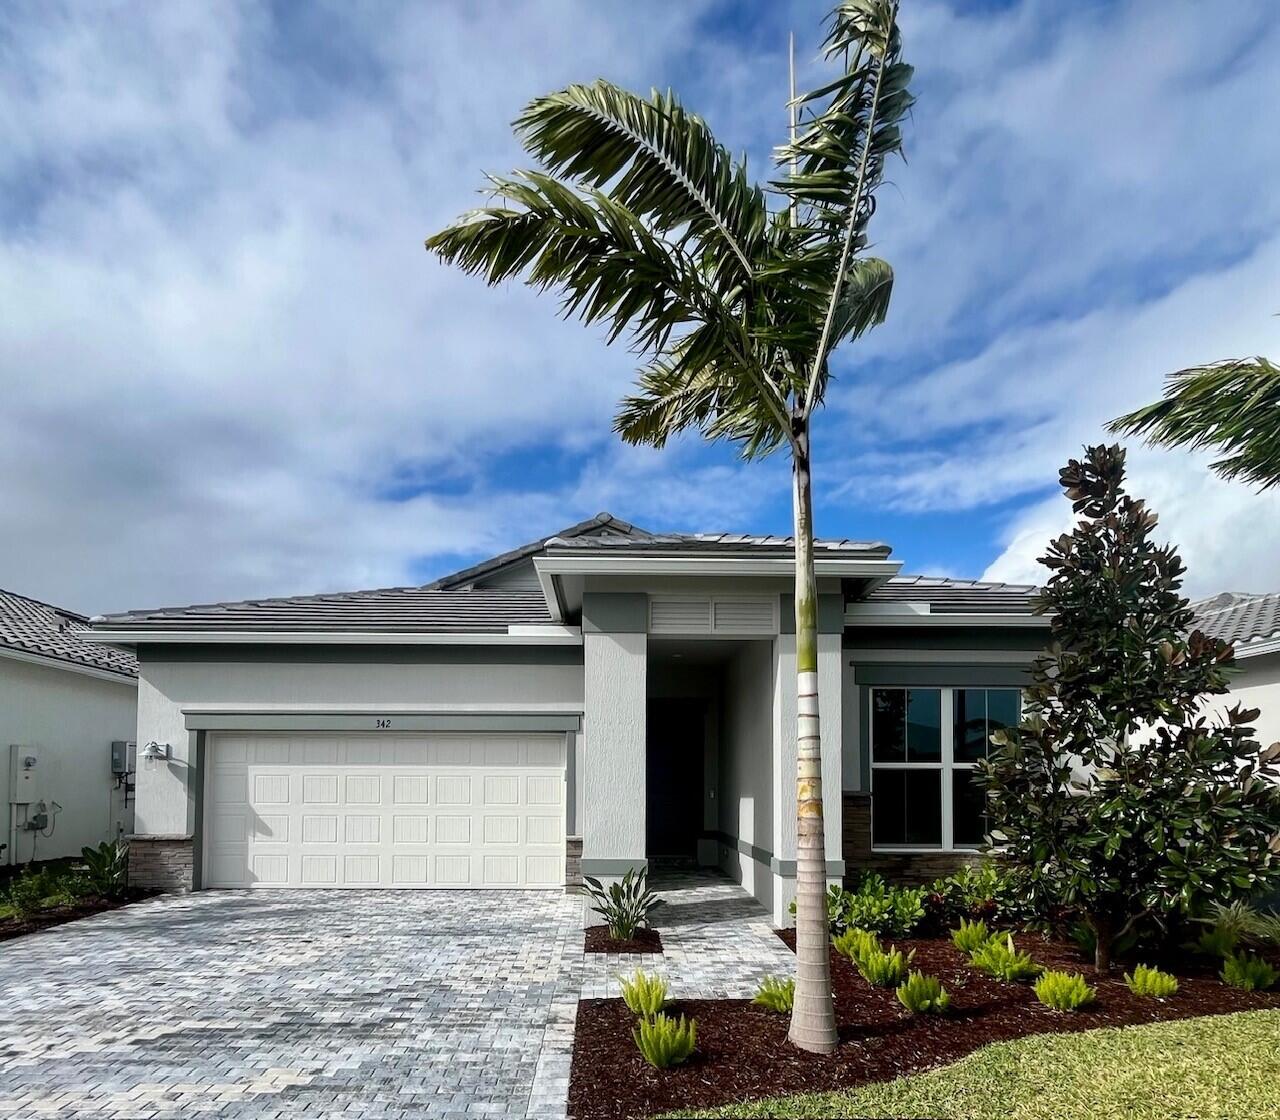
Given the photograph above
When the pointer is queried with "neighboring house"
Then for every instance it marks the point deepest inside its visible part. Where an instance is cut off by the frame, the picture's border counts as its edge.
(1252, 623)
(592, 702)
(63, 701)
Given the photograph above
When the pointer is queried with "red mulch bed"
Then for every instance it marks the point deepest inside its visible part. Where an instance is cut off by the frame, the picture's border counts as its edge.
(743, 1051)
(597, 940)
(60, 915)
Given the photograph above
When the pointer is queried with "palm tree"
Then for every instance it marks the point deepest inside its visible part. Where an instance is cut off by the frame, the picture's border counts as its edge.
(1232, 405)
(643, 222)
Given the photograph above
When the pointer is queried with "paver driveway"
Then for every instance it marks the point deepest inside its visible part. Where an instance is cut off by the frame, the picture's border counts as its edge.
(295, 1004)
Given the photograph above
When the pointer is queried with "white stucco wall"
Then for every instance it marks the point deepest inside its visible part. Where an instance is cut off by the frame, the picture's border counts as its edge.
(746, 767)
(168, 687)
(71, 720)
(613, 770)
(1257, 685)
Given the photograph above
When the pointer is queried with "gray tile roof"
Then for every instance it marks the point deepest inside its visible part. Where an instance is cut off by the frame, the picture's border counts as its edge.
(602, 525)
(712, 542)
(1239, 617)
(957, 596)
(30, 626)
(389, 610)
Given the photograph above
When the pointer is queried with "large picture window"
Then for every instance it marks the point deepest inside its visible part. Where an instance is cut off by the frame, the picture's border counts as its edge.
(925, 746)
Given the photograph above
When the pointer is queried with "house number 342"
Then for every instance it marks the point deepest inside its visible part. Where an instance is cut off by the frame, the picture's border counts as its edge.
(382, 723)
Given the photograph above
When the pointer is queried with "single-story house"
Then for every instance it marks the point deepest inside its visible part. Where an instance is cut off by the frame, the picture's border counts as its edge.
(1252, 623)
(68, 715)
(601, 699)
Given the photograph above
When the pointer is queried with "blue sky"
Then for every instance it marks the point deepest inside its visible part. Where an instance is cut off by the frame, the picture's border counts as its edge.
(229, 368)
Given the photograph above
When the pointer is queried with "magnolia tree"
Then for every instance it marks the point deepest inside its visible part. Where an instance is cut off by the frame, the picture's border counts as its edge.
(1119, 796)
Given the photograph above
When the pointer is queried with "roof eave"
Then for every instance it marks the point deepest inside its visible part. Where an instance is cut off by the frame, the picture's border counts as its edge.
(513, 635)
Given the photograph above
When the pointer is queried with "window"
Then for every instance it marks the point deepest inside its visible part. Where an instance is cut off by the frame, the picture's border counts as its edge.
(925, 746)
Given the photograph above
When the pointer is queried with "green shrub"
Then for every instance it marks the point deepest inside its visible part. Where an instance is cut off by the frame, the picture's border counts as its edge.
(1243, 923)
(1064, 991)
(1218, 941)
(1151, 982)
(625, 905)
(27, 892)
(985, 891)
(885, 968)
(1248, 972)
(970, 936)
(106, 868)
(921, 994)
(776, 994)
(854, 943)
(1266, 929)
(665, 1042)
(1004, 961)
(875, 906)
(644, 995)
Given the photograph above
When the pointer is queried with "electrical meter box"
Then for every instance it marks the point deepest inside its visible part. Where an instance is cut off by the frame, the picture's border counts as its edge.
(124, 758)
(24, 774)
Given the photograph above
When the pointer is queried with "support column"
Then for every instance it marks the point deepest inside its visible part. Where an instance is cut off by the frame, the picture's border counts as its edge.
(612, 777)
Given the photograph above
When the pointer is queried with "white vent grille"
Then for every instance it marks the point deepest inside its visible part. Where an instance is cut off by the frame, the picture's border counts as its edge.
(744, 616)
(679, 615)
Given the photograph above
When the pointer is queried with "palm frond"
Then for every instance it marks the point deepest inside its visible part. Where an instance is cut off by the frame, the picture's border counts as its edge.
(1233, 406)
(659, 161)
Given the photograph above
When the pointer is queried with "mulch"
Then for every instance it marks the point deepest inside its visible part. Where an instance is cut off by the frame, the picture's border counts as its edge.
(60, 915)
(597, 940)
(743, 1051)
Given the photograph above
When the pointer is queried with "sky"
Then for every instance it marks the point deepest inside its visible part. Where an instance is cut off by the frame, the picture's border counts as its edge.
(229, 369)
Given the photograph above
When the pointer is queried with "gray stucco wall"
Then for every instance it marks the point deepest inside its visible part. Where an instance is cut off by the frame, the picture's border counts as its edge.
(72, 720)
(423, 679)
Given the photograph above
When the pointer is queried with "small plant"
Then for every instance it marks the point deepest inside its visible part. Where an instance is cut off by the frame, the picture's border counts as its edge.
(1217, 941)
(665, 1042)
(921, 994)
(1248, 972)
(885, 968)
(970, 936)
(1064, 991)
(624, 905)
(1005, 962)
(855, 943)
(1266, 929)
(27, 892)
(776, 994)
(106, 868)
(1151, 982)
(644, 995)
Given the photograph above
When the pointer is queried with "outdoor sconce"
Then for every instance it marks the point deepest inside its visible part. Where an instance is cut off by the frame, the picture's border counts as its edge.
(155, 752)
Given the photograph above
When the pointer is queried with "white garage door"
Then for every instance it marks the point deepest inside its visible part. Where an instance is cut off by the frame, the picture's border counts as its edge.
(379, 811)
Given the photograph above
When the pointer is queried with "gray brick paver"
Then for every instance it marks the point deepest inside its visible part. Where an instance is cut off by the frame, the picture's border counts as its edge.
(359, 1005)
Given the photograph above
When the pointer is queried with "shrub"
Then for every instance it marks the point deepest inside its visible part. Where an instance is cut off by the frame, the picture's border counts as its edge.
(644, 995)
(854, 943)
(985, 891)
(884, 910)
(885, 968)
(1217, 942)
(665, 1042)
(28, 891)
(970, 936)
(106, 868)
(1151, 982)
(1248, 972)
(1003, 961)
(625, 905)
(1266, 928)
(1119, 812)
(1064, 991)
(1243, 923)
(921, 994)
(776, 994)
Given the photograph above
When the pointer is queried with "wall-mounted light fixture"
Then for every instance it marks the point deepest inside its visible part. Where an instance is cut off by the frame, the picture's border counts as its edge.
(155, 752)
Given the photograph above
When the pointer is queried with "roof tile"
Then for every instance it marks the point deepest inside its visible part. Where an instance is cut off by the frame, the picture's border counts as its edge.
(30, 626)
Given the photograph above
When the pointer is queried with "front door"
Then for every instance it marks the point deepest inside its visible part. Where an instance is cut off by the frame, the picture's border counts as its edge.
(675, 739)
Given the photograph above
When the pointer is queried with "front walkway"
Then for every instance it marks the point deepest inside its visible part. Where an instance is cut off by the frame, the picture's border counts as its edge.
(305, 1004)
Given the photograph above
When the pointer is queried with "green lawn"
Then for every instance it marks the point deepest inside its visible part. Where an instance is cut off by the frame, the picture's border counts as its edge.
(1221, 1067)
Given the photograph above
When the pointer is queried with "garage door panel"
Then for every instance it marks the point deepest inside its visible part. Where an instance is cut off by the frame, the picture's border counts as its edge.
(429, 811)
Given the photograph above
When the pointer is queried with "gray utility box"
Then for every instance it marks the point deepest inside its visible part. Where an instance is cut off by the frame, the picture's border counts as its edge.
(124, 758)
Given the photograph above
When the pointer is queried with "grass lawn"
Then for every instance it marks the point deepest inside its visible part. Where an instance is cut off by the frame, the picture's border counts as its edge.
(1225, 1067)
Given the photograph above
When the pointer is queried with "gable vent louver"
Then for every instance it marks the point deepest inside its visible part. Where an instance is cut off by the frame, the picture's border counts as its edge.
(744, 616)
(679, 615)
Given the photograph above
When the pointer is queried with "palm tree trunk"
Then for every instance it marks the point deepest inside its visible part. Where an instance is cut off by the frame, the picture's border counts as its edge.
(813, 1020)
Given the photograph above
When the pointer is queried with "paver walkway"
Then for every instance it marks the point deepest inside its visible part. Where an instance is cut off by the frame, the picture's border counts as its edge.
(306, 1004)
